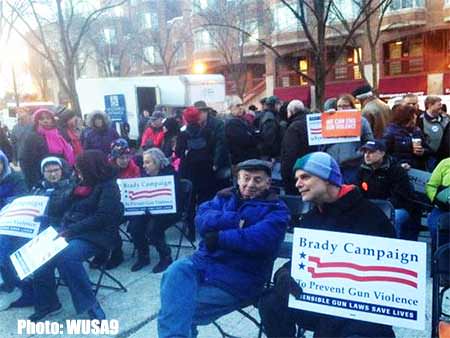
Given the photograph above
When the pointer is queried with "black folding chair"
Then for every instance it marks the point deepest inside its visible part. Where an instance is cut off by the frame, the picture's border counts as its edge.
(182, 225)
(296, 207)
(102, 274)
(440, 268)
(386, 207)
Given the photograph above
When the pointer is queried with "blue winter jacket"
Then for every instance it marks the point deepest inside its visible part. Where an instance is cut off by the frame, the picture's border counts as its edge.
(250, 234)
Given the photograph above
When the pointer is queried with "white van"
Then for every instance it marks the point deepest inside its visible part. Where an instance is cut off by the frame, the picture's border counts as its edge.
(8, 116)
(124, 98)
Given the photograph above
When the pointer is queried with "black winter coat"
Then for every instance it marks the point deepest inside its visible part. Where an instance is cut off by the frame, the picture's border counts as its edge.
(96, 217)
(196, 164)
(34, 150)
(59, 200)
(388, 182)
(399, 145)
(241, 140)
(293, 146)
(221, 155)
(269, 135)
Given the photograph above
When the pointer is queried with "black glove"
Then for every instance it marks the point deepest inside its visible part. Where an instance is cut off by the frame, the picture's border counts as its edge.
(211, 239)
(285, 285)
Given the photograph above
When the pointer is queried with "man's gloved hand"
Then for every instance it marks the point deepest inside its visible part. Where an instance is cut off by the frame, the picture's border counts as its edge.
(211, 239)
(285, 285)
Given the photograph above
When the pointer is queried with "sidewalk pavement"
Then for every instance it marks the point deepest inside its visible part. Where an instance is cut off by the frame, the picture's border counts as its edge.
(136, 310)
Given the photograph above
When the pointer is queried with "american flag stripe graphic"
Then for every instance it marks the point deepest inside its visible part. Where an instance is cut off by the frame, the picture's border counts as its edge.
(353, 271)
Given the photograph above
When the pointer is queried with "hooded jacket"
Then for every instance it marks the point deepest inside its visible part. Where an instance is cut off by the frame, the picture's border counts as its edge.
(250, 234)
(99, 138)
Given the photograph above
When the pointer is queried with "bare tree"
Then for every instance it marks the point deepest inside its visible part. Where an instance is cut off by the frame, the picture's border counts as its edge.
(372, 31)
(56, 32)
(233, 46)
(317, 21)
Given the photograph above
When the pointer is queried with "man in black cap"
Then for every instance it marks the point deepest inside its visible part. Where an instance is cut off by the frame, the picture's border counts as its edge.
(241, 229)
(379, 177)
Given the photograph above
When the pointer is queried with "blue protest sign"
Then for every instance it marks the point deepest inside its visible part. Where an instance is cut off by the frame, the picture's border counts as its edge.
(115, 107)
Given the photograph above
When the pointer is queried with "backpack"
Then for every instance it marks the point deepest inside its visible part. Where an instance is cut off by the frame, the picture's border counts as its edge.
(197, 147)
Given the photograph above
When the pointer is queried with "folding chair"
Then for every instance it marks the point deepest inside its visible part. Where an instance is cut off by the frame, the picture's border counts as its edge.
(296, 207)
(103, 273)
(182, 226)
(386, 207)
(440, 268)
(98, 284)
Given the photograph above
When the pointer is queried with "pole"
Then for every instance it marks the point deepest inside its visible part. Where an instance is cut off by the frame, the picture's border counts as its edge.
(16, 94)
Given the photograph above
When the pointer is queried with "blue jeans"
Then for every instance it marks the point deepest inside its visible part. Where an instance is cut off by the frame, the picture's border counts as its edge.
(9, 244)
(70, 266)
(186, 302)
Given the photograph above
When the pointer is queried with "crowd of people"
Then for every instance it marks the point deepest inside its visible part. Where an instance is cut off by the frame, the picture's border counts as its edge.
(235, 209)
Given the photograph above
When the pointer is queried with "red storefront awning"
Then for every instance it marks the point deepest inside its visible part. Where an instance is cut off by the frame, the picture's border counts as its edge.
(294, 93)
(400, 85)
(335, 89)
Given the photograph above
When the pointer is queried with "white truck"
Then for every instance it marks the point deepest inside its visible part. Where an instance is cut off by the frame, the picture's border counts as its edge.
(125, 98)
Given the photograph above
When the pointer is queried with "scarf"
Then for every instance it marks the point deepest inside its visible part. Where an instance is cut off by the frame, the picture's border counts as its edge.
(56, 144)
(75, 141)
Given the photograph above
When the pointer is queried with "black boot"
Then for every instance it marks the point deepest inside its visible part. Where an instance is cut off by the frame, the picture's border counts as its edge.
(142, 260)
(163, 264)
(115, 260)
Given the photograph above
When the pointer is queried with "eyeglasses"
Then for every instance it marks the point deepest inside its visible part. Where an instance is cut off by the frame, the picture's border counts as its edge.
(54, 171)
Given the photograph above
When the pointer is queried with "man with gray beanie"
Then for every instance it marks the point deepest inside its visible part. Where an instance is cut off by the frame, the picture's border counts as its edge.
(339, 208)
(241, 230)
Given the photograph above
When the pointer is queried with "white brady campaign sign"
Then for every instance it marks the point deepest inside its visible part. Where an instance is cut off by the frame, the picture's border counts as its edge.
(155, 195)
(315, 137)
(18, 217)
(374, 279)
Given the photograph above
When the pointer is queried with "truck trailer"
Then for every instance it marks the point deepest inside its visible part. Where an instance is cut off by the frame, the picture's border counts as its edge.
(125, 98)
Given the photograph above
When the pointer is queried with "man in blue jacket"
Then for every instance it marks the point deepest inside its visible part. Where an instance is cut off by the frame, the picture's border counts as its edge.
(241, 231)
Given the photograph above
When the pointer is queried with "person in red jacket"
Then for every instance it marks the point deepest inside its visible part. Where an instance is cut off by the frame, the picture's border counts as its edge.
(154, 134)
(121, 158)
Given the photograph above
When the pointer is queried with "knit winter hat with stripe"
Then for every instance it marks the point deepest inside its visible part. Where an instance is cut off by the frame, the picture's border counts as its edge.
(322, 165)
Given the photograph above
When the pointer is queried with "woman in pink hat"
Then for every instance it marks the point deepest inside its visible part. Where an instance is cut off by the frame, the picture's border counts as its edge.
(43, 141)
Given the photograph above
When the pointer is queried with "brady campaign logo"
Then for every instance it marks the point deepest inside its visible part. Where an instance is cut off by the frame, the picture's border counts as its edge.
(375, 279)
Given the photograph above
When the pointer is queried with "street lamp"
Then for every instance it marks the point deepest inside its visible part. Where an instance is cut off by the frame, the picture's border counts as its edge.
(199, 68)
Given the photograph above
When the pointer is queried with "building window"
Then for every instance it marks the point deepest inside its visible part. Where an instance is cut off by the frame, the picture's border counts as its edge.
(347, 8)
(109, 35)
(447, 3)
(406, 4)
(346, 65)
(149, 20)
(303, 67)
(201, 5)
(151, 55)
(202, 40)
(284, 19)
(404, 56)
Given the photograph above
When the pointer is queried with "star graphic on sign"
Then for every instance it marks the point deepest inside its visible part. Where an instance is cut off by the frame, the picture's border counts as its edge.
(302, 255)
(301, 266)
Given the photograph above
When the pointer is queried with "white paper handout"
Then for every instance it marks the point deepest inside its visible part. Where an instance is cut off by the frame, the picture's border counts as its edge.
(37, 252)
(18, 217)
